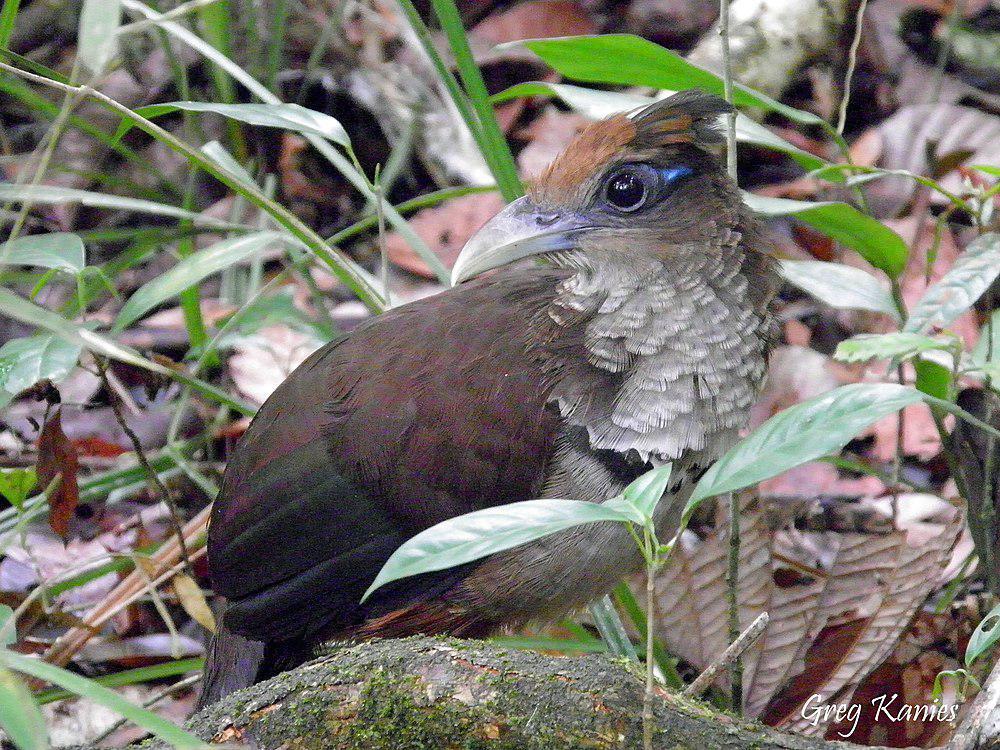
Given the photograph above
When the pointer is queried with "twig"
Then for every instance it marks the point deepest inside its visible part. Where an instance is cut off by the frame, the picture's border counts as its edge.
(852, 61)
(733, 594)
(944, 53)
(153, 478)
(730, 655)
(153, 700)
(727, 82)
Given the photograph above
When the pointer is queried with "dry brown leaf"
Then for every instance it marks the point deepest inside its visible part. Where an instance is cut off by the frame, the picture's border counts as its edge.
(445, 229)
(192, 599)
(902, 142)
(56, 455)
(262, 361)
(535, 19)
(838, 603)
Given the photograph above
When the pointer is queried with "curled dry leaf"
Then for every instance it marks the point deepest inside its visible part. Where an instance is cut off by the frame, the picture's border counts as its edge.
(262, 361)
(838, 604)
(904, 140)
(56, 455)
(445, 229)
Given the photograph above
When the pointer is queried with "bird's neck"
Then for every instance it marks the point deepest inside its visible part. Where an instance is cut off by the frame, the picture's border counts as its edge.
(675, 346)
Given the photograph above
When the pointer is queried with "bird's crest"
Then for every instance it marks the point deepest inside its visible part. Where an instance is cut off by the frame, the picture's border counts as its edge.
(686, 118)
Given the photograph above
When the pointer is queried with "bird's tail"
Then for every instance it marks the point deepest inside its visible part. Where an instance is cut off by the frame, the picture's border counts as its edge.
(234, 662)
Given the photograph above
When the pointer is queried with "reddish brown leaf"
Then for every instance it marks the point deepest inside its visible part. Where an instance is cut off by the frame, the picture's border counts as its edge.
(56, 455)
(445, 229)
(531, 20)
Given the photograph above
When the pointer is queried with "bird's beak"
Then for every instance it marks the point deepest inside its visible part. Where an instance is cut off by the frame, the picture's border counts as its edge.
(519, 230)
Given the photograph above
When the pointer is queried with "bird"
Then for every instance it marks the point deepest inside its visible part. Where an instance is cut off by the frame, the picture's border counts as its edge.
(615, 318)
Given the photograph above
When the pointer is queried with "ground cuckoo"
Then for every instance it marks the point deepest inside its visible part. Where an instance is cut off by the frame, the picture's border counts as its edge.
(613, 319)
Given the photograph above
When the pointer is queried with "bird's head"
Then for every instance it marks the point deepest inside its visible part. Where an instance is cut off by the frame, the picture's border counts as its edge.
(643, 183)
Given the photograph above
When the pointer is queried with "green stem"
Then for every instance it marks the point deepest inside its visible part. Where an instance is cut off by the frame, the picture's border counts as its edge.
(502, 162)
(7, 15)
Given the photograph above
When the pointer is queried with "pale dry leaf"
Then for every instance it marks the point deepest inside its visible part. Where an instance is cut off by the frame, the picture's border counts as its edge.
(445, 229)
(192, 599)
(262, 361)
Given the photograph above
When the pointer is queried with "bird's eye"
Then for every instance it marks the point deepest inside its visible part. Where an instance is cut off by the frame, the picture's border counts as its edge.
(626, 190)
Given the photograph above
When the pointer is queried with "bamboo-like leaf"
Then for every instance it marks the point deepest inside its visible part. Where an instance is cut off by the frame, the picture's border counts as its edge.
(801, 433)
(873, 240)
(61, 250)
(838, 285)
(97, 41)
(217, 153)
(292, 117)
(89, 689)
(475, 535)
(52, 194)
(192, 270)
(630, 60)
(192, 599)
(973, 273)
(20, 716)
(131, 677)
(896, 345)
(598, 104)
(28, 312)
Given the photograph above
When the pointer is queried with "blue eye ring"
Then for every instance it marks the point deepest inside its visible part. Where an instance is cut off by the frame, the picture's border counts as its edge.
(630, 187)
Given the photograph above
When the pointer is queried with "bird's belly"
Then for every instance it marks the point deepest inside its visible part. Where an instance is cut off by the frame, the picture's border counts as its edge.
(543, 580)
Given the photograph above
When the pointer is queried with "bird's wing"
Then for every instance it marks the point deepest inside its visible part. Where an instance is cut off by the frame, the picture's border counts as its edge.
(432, 410)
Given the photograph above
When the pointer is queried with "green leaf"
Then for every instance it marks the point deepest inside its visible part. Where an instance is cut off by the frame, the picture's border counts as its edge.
(485, 532)
(131, 677)
(97, 40)
(28, 312)
(89, 689)
(802, 433)
(217, 153)
(25, 361)
(6, 626)
(15, 486)
(933, 379)
(973, 273)
(873, 240)
(987, 349)
(192, 270)
(51, 194)
(645, 492)
(20, 716)
(598, 104)
(897, 345)
(630, 60)
(285, 116)
(838, 285)
(60, 250)
(984, 636)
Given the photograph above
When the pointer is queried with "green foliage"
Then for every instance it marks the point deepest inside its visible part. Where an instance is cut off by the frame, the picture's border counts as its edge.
(292, 117)
(97, 40)
(91, 690)
(801, 433)
(15, 486)
(973, 273)
(191, 270)
(62, 251)
(898, 345)
(20, 716)
(25, 361)
(873, 240)
(984, 637)
(838, 285)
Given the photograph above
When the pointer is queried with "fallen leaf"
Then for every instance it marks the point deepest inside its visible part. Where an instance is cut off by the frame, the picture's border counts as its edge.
(262, 361)
(56, 455)
(192, 599)
(445, 229)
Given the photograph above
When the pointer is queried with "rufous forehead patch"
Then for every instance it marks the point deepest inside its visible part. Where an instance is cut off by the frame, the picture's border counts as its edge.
(594, 146)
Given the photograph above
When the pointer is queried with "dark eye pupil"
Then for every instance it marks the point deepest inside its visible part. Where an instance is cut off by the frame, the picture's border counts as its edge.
(626, 190)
